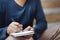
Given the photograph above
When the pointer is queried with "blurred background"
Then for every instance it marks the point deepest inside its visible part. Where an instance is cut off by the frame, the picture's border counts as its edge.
(52, 11)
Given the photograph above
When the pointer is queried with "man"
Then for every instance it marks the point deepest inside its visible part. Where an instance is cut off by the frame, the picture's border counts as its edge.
(23, 12)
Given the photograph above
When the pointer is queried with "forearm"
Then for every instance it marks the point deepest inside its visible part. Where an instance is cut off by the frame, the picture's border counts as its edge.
(39, 29)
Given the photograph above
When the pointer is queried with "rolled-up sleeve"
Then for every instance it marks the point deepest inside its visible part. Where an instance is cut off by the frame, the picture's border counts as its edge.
(41, 23)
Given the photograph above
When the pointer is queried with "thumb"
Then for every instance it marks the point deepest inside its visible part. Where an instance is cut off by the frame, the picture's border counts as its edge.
(28, 28)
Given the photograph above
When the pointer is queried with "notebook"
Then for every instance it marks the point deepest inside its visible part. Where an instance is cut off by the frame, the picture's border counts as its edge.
(22, 33)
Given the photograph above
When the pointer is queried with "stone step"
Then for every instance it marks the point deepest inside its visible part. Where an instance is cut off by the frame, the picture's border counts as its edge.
(51, 10)
(53, 17)
(50, 3)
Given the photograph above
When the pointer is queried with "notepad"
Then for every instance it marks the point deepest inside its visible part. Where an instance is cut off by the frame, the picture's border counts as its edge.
(22, 33)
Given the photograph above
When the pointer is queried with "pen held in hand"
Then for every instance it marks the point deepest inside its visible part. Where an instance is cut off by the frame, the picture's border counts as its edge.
(15, 21)
(21, 30)
(12, 19)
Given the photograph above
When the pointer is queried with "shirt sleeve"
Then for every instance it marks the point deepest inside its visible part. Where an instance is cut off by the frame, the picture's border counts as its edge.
(3, 33)
(41, 23)
(3, 29)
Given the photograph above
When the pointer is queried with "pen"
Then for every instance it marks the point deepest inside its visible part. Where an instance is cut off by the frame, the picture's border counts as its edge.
(22, 30)
(12, 19)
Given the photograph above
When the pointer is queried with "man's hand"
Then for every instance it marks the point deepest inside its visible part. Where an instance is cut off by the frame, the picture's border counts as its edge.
(14, 27)
(28, 29)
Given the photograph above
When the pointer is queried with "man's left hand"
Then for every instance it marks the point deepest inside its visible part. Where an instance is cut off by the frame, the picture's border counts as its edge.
(28, 29)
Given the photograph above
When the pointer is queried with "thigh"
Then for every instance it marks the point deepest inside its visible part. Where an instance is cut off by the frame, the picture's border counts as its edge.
(13, 38)
(49, 33)
(58, 37)
(30, 39)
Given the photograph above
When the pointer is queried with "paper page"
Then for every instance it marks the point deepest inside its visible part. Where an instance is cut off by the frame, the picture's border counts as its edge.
(22, 33)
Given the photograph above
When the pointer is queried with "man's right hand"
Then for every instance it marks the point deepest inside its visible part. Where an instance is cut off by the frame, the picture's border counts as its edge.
(14, 27)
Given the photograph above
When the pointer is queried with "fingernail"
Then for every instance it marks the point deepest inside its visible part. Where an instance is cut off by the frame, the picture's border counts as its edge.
(21, 25)
(29, 26)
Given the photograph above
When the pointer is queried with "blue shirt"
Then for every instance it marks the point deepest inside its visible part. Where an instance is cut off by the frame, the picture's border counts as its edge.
(24, 15)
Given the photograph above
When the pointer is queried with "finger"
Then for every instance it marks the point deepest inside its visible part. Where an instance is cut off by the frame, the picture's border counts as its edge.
(12, 30)
(28, 36)
(18, 25)
(15, 27)
(28, 28)
(21, 26)
(32, 29)
(8, 30)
